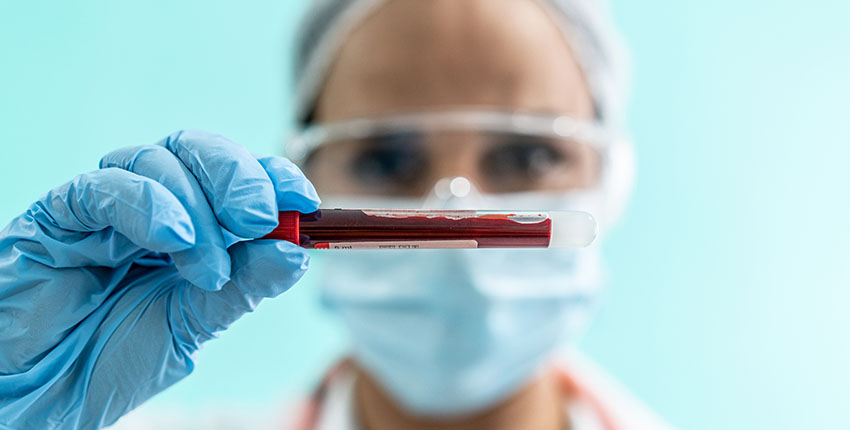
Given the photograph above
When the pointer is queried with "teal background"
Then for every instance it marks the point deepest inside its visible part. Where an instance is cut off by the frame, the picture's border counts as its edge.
(727, 303)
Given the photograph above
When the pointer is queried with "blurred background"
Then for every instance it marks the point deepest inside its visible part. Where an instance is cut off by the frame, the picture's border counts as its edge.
(730, 278)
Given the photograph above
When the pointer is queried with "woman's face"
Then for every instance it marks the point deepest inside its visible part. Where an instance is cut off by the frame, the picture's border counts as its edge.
(413, 55)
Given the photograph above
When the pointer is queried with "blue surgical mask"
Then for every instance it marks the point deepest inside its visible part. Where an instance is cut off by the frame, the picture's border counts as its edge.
(453, 331)
(449, 332)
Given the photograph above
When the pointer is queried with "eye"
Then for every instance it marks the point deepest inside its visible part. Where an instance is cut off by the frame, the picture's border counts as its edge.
(521, 163)
(390, 163)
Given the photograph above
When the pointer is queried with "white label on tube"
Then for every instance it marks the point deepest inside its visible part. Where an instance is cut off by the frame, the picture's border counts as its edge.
(423, 244)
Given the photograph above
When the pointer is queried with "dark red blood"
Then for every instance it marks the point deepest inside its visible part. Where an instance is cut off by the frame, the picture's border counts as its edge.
(352, 225)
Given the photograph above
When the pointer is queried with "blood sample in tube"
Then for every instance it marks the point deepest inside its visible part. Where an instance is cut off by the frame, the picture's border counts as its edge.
(434, 229)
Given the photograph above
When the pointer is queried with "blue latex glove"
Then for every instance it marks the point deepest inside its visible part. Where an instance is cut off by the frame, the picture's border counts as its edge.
(110, 283)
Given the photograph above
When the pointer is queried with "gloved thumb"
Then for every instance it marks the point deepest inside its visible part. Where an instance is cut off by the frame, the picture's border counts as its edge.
(261, 269)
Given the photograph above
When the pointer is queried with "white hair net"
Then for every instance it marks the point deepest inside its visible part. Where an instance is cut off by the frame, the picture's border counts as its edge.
(587, 25)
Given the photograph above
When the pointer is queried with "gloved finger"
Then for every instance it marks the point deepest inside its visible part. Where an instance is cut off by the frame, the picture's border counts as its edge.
(207, 264)
(261, 269)
(292, 189)
(140, 209)
(294, 192)
(237, 187)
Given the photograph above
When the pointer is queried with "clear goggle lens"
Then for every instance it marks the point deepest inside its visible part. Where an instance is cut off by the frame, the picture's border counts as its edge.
(403, 156)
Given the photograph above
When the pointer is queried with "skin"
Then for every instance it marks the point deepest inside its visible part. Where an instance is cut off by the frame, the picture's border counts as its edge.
(428, 55)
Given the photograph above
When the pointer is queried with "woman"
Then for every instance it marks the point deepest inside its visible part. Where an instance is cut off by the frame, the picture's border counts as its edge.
(517, 104)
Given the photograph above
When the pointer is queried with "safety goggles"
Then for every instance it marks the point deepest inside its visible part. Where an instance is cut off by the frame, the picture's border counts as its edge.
(405, 155)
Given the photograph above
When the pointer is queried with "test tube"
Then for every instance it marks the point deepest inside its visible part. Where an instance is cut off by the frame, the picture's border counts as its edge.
(434, 229)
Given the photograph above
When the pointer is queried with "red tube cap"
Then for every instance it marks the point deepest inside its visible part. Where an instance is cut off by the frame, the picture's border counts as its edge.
(288, 227)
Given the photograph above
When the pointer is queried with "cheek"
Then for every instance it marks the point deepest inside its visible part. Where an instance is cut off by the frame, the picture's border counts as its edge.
(592, 167)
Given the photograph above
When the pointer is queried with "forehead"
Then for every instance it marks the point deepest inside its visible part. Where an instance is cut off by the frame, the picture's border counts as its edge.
(420, 55)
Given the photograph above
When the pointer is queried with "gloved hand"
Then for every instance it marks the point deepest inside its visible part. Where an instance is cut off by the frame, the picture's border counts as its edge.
(110, 283)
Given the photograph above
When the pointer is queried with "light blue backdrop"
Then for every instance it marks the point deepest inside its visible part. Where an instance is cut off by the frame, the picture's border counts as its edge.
(730, 276)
